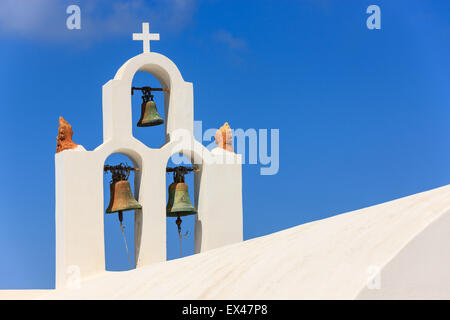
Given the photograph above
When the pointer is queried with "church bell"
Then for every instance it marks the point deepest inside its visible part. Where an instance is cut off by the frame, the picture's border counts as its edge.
(149, 114)
(121, 198)
(179, 203)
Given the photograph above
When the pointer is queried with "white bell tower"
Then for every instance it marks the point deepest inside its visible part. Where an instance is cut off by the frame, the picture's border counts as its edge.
(79, 176)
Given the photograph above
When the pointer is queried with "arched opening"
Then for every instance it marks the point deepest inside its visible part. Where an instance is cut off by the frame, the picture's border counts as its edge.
(153, 135)
(186, 247)
(119, 244)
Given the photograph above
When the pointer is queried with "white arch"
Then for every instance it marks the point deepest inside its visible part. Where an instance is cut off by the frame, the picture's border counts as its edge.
(178, 103)
(160, 66)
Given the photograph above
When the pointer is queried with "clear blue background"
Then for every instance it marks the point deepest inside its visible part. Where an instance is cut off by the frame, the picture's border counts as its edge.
(363, 114)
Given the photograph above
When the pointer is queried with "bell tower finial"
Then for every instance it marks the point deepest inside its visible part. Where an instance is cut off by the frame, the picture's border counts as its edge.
(146, 37)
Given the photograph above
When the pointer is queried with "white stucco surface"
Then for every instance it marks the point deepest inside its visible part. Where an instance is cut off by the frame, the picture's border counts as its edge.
(407, 239)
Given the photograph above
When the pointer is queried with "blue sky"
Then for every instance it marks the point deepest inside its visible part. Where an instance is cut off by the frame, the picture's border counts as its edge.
(363, 114)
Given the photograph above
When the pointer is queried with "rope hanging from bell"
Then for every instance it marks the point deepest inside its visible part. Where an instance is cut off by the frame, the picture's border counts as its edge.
(178, 222)
(124, 238)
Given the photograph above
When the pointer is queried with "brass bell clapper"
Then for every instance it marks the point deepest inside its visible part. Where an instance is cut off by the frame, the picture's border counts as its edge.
(121, 198)
(149, 114)
(179, 203)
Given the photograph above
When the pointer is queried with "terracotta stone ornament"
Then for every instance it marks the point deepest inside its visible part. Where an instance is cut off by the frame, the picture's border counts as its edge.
(64, 138)
(224, 137)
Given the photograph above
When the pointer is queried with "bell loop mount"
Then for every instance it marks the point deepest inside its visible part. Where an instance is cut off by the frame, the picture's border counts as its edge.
(180, 171)
(119, 172)
(147, 92)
